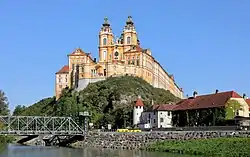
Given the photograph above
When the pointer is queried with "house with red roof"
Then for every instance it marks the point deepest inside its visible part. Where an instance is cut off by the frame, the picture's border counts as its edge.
(208, 109)
(198, 110)
(158, 116)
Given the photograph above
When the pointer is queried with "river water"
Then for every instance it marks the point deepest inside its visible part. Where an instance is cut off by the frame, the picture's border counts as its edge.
(35, 151)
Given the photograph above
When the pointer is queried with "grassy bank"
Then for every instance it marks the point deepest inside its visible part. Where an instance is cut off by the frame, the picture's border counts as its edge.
(6, 139)
(219, 147)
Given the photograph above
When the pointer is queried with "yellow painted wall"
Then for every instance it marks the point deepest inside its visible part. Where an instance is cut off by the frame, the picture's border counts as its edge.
(61, 83)
(245, 108)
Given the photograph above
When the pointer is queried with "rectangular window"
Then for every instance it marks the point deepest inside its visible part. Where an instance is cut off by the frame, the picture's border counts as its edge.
(161, 120)
(149, 116)
(237, 112)
(169, 113)
(154, 121)
(105, 72)
(66, 79)
(104, 55)
(60, 86)
(59, 80)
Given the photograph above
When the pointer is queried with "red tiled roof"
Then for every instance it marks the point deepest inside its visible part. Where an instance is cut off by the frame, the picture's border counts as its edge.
(139, 102)
(206, 101)
(135, 49)
(64, 69)
(164, 107)
(248, 102)
(78, 52)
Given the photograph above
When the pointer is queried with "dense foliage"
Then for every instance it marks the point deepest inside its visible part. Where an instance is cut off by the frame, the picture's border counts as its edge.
(232, 107)
(5, 139)
(109, 102)
(208, 117)
(42, 108)
(200, 117)
(4, 105)
(4, 110)
(219, 147)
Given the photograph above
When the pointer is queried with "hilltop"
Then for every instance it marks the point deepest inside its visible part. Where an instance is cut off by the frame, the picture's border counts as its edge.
(109, 101)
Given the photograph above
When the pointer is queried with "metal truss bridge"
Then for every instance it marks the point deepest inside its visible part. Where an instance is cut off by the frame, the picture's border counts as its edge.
(38, 125)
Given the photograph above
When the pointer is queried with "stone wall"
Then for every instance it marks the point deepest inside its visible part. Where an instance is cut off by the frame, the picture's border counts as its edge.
(142, 140)
(83, 83)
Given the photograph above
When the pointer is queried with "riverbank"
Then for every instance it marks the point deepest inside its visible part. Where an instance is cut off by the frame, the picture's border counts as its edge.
(12, 150)
(219, 147)
(142, 140)
(6, 139)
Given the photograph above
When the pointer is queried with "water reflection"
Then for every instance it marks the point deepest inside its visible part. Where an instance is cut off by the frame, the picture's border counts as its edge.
(27, 151)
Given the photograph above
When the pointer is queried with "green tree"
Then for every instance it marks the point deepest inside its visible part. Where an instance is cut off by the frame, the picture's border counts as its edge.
(232, 108)
(43, 107)
(109, 101)
(19, 109)
(4, 105)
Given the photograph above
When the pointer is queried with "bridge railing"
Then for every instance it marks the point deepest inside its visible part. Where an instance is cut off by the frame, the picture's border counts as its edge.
(39, 125)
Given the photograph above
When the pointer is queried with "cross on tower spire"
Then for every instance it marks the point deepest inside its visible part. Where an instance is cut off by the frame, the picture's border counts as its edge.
(106, 22)
(129, 21)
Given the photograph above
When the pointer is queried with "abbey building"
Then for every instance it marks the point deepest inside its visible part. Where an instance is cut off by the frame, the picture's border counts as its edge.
(117, 57)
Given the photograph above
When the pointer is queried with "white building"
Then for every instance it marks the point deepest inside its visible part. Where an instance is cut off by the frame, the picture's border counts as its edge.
(159, 116)
(137, 111)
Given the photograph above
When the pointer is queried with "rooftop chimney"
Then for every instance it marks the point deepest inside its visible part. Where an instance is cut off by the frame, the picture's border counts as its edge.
(195, 94)
(217, 91)
(244, 96)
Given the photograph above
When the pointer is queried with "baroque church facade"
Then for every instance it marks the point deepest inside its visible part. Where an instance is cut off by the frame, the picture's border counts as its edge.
(117, 57)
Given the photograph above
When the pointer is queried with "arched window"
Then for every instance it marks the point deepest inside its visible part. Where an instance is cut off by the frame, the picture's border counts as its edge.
(104, 41)
(128, 40)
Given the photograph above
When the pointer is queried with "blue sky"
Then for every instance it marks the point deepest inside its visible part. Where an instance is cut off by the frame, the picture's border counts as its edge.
(204, 43)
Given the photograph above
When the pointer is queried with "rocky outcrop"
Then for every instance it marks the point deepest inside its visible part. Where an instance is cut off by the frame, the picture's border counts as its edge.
(141, 140)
